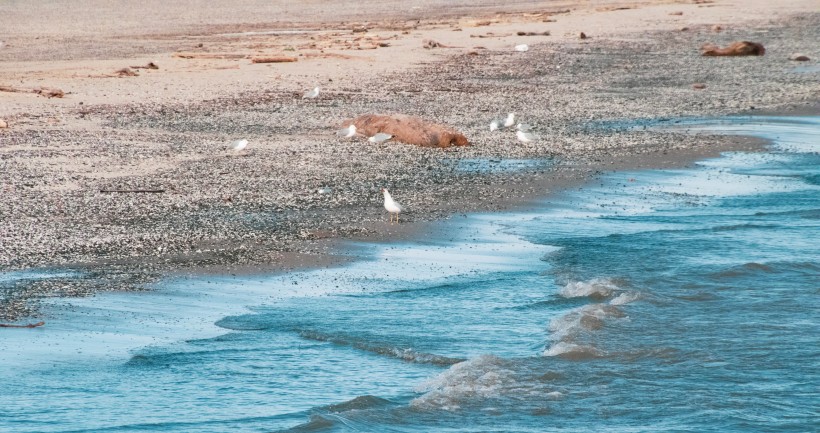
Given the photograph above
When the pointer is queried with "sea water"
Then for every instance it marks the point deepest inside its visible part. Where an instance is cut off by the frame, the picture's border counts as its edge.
(661, 300)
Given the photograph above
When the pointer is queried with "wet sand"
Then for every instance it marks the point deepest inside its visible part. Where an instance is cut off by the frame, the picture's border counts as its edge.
(169, 129)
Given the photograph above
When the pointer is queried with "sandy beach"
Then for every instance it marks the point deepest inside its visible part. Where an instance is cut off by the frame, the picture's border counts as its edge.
(129, 175)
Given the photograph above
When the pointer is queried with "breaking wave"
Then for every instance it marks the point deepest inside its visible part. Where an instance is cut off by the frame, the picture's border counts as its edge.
(404, 354)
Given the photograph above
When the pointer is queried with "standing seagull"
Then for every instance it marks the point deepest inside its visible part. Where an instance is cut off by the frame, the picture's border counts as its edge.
(524, 137)
(381, 137)
(238, 145)
(311, 94)
(494, 125)
(348, 132)
(510, 120)
(391, 206)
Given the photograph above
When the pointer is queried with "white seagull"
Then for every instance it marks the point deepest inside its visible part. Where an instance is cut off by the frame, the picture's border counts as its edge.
(510, 121)
(524, 137)
(523, 127)
(391, 206)
(522, 48)
(311, 93)
(238, 145)
(380, 138)
(494, 125)
(348, 132)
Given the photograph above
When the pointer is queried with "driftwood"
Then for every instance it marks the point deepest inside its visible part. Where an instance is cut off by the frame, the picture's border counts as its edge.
(547, 33)
(49, 92)
(126, 72)
(126, 191)
(210, 56)
(740, 48)
(30, 325)
(429, 43)
(408, 129)
(273, 59)
(150, 65)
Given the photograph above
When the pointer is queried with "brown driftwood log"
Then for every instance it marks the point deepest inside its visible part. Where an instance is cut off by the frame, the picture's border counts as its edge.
(150, 65)
(740, 48)
(126, 191)
(210, 56)
(408, 129)
(49, 92)
(30, 325)
(280, 59)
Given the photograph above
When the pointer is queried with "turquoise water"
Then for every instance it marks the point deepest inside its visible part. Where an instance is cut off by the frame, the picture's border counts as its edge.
(670, 300)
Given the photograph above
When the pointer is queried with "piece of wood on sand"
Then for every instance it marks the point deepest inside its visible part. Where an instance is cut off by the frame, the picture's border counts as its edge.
(30, 325)
(274, 59)
(210, 56)
(48, 92)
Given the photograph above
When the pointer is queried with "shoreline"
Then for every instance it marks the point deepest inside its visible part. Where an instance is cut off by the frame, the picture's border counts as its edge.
(311, 231)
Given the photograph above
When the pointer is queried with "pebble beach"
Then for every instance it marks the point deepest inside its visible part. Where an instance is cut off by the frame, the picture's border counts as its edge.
(136, 180)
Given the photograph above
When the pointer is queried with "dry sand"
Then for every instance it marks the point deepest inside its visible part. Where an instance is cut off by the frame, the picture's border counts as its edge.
(169, 129)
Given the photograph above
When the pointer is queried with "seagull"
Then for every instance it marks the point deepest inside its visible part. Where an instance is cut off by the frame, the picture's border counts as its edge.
(522, 48)
(494, 125)
(348, 132)
(380, 138)
(238, 145)
(524, 137)
(311, 93)
(510, 120)
(391, 206)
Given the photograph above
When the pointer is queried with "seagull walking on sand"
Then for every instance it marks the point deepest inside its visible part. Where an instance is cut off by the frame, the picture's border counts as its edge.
(381, 137)
(238, 145)
(391, 206)
(494, 125)
(523, 127)
(525, 137)
(348, 132)
(311, 94)
(510, 121)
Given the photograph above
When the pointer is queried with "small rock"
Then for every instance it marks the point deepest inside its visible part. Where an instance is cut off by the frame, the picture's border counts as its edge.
(582, 35)
(3, 124)
(676, 13)
(798, 57)
(699, 86)
(716, 28)
(684, 29)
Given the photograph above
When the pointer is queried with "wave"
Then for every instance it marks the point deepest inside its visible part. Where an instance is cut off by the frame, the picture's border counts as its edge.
(481, 378)
(596, 288)
(574, 352)
(625, 298)
(753, 269)
(587, 318)
(361, 402)
(404, 354)
(735, 227)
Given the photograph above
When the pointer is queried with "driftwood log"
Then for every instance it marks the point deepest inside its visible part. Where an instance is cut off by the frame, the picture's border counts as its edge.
(273, 59)
(30, 325)
(740, 48)
(408, 129)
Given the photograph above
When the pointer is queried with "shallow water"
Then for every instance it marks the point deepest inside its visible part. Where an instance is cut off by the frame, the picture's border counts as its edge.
(675, 300)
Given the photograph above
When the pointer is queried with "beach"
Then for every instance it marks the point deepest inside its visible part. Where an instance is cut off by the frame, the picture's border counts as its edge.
(168, 130)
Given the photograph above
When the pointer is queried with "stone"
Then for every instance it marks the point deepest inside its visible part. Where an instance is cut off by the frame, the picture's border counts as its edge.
(798, 57)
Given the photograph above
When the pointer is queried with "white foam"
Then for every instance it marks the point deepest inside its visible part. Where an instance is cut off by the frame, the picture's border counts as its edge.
(625, 298)
(598, 287)
(572, 350)
(479, 378)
